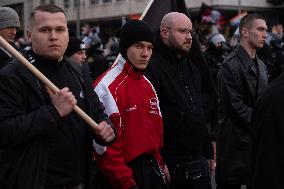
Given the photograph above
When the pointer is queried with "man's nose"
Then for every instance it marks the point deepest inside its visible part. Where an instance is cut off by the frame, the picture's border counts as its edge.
(266, 35)
(53, 34)
(145, 51)
(84, 55)
(189, 35)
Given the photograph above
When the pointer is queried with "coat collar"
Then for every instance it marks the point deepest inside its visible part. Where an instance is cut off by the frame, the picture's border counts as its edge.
(29, 77)
(166, 51)
(249, 64)
(247, 61)
(130, 69)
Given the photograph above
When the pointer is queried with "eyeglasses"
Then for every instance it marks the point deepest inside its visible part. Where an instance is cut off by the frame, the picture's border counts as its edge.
(182, 30)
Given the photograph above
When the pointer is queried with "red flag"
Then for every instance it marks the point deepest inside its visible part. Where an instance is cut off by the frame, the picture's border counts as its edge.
(154, 16)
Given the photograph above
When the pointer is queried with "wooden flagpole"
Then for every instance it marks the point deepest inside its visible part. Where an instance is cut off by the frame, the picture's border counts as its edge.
(146, 9)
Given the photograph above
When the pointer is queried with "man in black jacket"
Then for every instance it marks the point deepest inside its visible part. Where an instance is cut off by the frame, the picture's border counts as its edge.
(9, 24)
(268, 140)
(177, 81)
(242, 79)
(44, 143)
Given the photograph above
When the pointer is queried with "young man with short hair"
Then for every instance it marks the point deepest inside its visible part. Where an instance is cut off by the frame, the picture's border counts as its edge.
(44, 143)
(134, 160)
(242, 79)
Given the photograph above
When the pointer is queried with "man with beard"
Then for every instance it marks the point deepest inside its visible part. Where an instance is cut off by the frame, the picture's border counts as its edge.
(242, 79)
(9, 24)
(178, 85)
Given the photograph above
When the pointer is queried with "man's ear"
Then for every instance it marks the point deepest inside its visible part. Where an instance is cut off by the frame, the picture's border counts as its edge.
(164, 32)
(29, 34)
(244, 32)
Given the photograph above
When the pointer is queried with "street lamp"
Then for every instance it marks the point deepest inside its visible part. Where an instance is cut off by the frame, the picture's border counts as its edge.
(78, 6)
(239, 6)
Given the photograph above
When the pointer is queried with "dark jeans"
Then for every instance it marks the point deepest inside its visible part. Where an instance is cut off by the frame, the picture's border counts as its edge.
(189, 174)
(147, 174)
(231, 186)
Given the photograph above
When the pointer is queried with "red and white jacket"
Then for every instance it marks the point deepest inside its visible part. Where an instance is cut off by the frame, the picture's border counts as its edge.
(133, 107)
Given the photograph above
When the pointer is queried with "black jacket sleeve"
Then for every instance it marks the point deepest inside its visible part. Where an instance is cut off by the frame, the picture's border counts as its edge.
(96, 108)
(20, 120)
(230, 90)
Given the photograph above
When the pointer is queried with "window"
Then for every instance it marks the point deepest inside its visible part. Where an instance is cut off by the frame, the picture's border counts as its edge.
(52, 1)
(94, 2)
(106, 1)
(42, 2)
(66, 4)
(76, 3)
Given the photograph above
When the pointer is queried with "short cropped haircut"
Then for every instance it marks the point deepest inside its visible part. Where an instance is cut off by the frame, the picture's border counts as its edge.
(247, 21)
(51, 8)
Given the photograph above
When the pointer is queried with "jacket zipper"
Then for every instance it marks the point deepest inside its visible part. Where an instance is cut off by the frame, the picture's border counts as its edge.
(187, 89)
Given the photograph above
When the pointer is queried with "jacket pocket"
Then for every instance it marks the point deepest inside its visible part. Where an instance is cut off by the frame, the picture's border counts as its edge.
(187, 171)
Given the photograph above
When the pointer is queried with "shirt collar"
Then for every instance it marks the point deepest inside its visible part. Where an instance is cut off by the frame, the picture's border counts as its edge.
(130, 69)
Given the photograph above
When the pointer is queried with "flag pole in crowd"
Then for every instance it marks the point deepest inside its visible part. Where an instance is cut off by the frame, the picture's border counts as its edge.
(146, 9)
(42, 78)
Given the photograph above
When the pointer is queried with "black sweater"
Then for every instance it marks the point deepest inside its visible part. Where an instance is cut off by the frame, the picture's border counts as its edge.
(178, 86)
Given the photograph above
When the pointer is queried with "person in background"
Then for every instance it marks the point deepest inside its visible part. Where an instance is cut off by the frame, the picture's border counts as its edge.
(272, 52)
(87, 34)
(76, 55)
(242, 79)
(114, 51)
(177, 81)
(134, 160)
(96, 60)
(44, 143)
(9, 24)
(215, 54)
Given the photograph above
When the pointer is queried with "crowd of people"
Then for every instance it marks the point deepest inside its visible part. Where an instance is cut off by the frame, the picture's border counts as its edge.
(156, 126)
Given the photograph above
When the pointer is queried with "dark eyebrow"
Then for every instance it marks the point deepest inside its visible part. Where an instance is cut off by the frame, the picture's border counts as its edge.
(262, 28)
